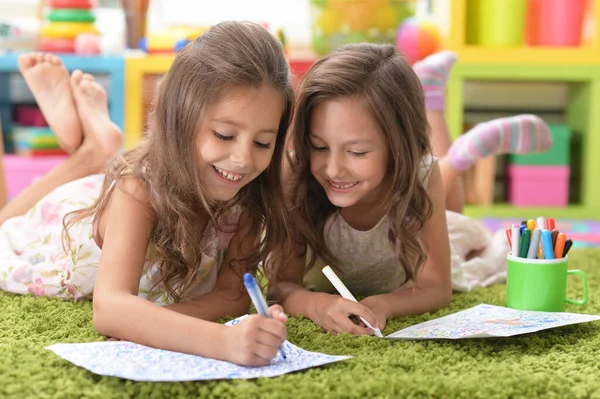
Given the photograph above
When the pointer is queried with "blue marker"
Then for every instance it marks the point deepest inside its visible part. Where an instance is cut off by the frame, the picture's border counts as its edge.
(547, 244)
(521, 228)
(259, 301)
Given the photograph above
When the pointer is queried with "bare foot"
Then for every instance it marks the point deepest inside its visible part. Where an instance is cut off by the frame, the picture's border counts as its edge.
(48, 80)
(102, 138)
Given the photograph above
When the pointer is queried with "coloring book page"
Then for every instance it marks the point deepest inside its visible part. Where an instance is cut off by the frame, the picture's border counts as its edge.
(484, 321)
(140, 363)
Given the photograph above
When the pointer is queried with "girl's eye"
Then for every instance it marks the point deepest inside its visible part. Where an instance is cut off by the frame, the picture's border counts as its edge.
(262, 145)
(222, 137)
(314, 147)
(357, 154)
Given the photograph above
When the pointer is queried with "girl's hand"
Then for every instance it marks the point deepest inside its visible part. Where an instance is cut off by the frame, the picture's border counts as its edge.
(379, 309)
(334, 314)
(255, 340)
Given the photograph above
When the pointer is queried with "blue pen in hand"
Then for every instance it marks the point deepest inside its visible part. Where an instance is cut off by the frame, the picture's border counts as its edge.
(259, 301)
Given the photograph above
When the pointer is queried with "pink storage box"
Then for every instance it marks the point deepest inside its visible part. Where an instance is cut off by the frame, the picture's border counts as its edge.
(21, 171)
(538, 185)
(29, 116)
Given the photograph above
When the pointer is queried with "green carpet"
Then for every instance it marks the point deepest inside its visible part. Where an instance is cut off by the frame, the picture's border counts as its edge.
(561, 363)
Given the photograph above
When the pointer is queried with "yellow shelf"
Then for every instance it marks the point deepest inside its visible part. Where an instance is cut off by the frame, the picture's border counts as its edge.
(588, 54)
(521, 212)
(566, 56)
(135, 69)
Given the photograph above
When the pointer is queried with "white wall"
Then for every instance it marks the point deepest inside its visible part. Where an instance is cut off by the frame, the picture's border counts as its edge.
(292, 15)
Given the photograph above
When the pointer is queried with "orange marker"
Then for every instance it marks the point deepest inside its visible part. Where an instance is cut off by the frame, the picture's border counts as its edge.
(560, 245)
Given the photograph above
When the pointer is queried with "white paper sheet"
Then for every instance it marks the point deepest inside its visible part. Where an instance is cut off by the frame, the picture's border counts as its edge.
(141, 363)
(484, 321)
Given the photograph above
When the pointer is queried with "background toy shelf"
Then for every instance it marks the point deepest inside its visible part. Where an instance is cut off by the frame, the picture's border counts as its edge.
(578, 67)
(581, 115)
(23, 170)
(586, 54)
(113, 67)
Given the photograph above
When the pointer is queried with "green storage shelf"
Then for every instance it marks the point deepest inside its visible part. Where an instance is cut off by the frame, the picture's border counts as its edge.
(558, 154)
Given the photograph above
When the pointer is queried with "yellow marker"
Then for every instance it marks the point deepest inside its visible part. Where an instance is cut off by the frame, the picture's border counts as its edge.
(531, 225)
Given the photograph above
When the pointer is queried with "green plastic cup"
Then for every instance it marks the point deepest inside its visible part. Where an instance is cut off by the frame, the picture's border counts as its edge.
(500, 23)
(540, 284)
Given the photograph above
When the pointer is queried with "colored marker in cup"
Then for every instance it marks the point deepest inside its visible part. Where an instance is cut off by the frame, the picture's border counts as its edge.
(559, 247)
(547, 244)
(568, 245)
(516, 240)
(525, 238)
(534, 244)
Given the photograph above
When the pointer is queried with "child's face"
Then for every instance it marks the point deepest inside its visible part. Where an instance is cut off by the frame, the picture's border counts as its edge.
(237, 138)
(348, 154)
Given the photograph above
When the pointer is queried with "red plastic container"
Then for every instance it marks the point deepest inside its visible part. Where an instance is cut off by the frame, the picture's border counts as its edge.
(555, 22)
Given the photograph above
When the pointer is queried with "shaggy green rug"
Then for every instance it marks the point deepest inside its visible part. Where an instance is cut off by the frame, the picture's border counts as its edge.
(561, 363)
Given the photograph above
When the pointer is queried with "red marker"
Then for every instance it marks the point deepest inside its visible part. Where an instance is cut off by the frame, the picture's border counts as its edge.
(509, 236)
(550, 224)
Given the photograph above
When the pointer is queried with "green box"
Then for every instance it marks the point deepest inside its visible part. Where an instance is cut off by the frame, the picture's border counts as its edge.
(558, 154)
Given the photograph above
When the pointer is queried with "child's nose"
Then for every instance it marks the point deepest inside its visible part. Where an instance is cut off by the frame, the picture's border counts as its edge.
(333, 167)
(242, 156)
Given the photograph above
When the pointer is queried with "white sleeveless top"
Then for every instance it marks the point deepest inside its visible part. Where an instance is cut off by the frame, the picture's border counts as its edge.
(368, 263)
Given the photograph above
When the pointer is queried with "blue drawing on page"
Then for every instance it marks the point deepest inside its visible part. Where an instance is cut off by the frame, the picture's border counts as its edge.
(484, 321)
(140, 363)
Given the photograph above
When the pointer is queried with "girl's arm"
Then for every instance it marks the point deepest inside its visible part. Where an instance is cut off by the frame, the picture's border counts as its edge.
(433, 286)
(331, 312)
(119, 312)
(229, 297)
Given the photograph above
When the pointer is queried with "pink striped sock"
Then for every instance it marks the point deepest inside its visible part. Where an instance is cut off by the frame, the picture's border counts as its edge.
(433, 73)
(522, 134)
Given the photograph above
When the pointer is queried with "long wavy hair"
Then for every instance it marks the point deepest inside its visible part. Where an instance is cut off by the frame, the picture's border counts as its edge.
(392, 93)
(230, 54)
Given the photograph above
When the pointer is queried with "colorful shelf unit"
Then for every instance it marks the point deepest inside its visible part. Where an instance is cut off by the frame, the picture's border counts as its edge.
(586, 54)
(111, 66)
(581, 115)
(138, 66)
(20, 171)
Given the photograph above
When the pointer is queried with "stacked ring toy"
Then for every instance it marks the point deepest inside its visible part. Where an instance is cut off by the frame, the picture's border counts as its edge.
(80, 4)
(71, 15)
(67, 20)
(56, 45)
(66, 30)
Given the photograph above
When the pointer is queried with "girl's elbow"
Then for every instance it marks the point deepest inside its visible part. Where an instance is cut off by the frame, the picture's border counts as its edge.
(444, 296)
(101, 316)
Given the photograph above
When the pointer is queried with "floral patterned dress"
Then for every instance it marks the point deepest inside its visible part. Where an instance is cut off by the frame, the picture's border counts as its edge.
(34, 261)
